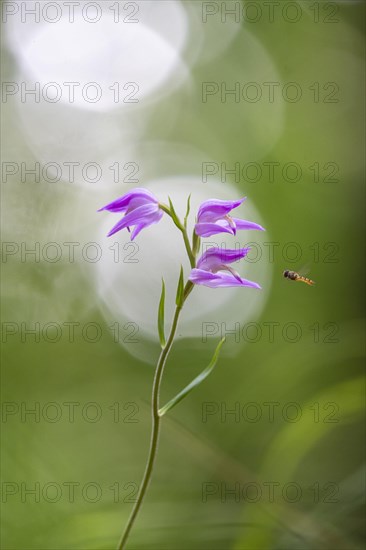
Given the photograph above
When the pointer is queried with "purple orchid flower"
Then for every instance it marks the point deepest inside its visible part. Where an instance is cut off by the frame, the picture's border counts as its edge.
(213, 217)
(211, 265)
(140, 207)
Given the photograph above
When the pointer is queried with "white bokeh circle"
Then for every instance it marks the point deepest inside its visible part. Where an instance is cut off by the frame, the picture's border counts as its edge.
(104, 65)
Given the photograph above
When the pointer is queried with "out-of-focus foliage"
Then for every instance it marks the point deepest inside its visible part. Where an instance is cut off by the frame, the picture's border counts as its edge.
(268, 452)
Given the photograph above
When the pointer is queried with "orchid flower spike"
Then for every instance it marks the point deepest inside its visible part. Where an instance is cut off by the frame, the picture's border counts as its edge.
(213, 217)
(212, 269)
(140, 209)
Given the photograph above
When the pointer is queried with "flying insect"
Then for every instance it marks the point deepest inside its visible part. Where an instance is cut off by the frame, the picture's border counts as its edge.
(294, 276)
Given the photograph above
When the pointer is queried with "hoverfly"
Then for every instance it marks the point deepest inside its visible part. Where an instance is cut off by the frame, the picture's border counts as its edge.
(294, 276)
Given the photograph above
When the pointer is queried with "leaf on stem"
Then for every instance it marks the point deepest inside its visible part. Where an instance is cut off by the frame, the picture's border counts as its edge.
(200, 378)
(174, 215)
(180, 290)
(188, 210)
(161, 315)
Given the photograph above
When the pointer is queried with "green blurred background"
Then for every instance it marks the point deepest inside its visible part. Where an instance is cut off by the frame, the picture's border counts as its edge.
(311, 450)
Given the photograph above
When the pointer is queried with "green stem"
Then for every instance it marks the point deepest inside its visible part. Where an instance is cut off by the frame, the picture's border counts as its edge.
(156, 419)
(178, 223)
(191, 256)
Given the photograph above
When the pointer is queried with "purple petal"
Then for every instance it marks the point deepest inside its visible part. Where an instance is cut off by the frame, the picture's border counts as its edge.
(133, 199)
(217, 280)
(214, 257)
(214, 209)
(143, 215)
(208, 229)
(137, 230)
(244, 224)
(154, 218)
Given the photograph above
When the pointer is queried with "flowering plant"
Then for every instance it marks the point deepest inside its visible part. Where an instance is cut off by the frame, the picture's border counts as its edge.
(140, 209)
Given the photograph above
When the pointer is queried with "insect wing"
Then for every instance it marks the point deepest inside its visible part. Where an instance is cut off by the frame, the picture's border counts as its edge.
(305, 270)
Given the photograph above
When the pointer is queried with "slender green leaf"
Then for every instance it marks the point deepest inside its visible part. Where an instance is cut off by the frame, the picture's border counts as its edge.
(200, 378)
(174, 215)
(161, 315)
(180, 289)
(188, 210)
